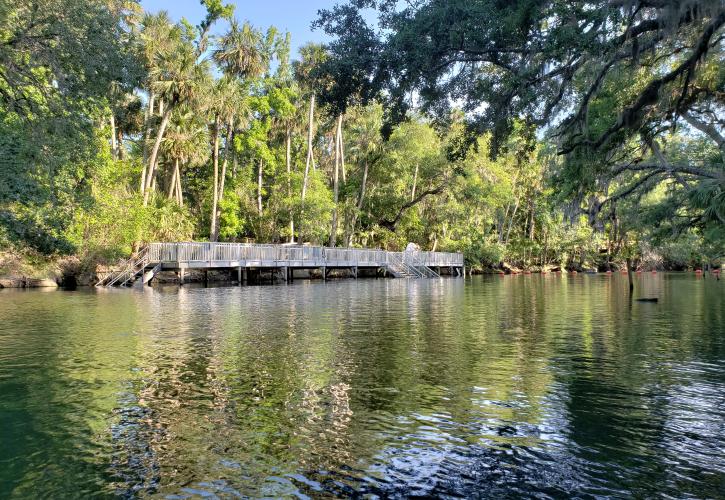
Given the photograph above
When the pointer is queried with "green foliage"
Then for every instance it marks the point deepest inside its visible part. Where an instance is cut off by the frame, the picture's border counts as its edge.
(61, 54)
(226, 121)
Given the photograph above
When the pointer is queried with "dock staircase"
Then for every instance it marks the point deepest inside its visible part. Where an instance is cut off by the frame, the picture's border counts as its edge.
(128, 273)
(408, 266)
(419, 266)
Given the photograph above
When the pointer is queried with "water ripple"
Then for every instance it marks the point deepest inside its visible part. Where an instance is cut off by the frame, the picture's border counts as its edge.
(540, 387)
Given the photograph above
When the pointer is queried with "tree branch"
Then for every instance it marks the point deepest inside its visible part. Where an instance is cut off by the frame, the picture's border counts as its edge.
(707, 129)
(390, 224)
(633, 187)
(650, 94)
(684, 169)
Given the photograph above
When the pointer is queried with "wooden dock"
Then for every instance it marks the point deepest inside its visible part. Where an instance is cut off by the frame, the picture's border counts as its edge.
(280, 259)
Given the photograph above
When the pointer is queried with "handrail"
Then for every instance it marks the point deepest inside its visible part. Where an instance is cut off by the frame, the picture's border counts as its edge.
(129, 270)
(240, 252)
(413, 259)
(398, 260)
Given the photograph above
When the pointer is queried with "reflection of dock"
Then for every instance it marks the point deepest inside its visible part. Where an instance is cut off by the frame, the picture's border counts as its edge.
(282, 259)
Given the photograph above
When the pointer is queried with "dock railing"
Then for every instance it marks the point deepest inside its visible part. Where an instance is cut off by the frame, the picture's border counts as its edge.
(228, 253)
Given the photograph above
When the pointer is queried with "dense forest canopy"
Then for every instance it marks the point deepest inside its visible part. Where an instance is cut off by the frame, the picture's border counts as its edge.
(526, 133)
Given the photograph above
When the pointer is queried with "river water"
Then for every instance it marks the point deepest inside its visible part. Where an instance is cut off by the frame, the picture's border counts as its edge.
(540, 386)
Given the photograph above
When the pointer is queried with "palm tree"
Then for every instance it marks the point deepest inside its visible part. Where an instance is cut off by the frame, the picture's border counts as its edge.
(176, 77)
(240, 56)
(185, 143)
(156, 36)
(224, 102)
(366, 149)
(313, 55)
(239, 52)
(336, 177)
(290, 120)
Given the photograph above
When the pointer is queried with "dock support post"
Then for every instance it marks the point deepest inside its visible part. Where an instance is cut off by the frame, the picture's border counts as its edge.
(285, 273)
(354, 271)
(324, 273)
(245, 277)
(182, 271)
(464, 271)
(239, 275)
(206, 276)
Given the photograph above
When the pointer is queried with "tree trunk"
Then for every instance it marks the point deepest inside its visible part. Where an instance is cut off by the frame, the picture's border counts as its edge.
(532, 218)
(361, 197)
(336, 183)
(310, 159)
(511, 223)
(227, 154)
(114, 146)
(172, 184)
(227, 150)
(341, 146)
(259, 186)
(415, 181)
(146, 135)
(214, 232)
(121, 149)
(179, 195)
(500, 223)
(154, 153)
(288, 163)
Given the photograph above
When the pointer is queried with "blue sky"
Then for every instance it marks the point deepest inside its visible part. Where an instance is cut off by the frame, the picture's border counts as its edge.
(294, 16)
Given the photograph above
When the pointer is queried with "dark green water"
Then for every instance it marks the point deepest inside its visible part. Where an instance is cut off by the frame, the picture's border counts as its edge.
(497, 387)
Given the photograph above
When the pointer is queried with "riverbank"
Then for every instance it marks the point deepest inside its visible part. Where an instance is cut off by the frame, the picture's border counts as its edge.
(26, 269)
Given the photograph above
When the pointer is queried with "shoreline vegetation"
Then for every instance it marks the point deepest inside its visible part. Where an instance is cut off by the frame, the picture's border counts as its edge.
(602, 142)
(70, 273)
